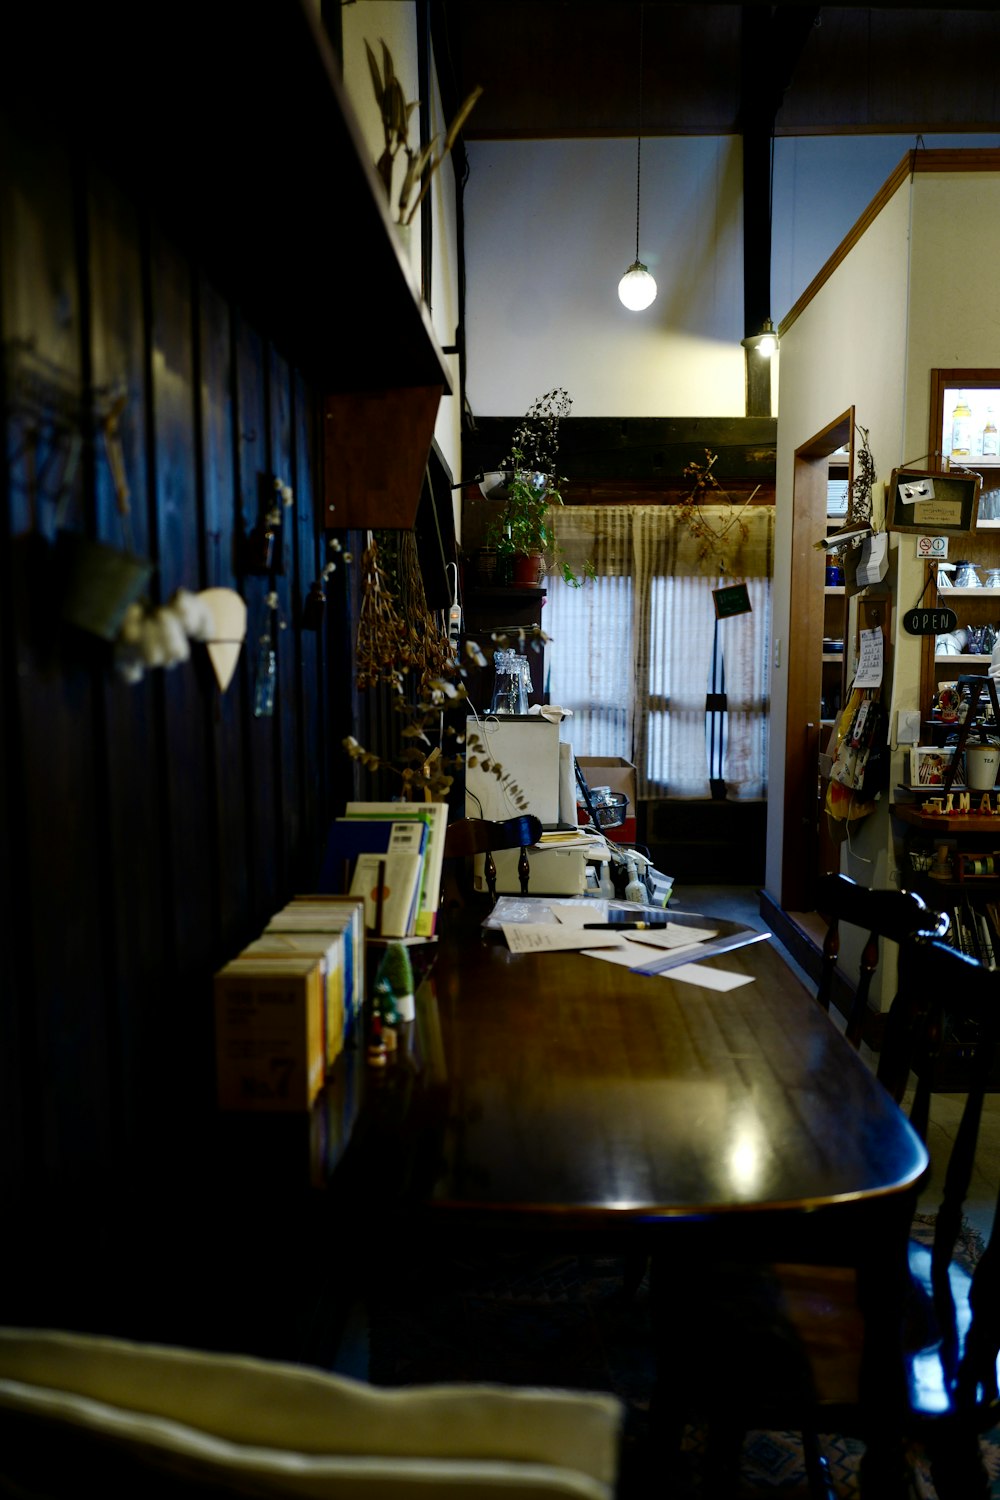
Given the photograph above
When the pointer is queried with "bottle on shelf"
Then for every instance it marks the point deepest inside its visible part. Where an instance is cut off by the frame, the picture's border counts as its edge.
(961, 428)
(991, 441)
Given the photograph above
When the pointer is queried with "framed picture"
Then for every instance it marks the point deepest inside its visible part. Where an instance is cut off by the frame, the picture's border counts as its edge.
(928, 764)
(925, 502)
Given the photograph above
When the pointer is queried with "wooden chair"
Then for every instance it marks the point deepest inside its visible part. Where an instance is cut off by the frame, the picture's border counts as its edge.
(792, 1336)
(470, 836)
(880, 913)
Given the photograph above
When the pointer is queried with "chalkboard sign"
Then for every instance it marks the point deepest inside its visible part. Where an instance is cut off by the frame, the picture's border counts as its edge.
(929, 621)
(734, 600)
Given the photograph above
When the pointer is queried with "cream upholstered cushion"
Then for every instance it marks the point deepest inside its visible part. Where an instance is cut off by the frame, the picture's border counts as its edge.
(281, 1429)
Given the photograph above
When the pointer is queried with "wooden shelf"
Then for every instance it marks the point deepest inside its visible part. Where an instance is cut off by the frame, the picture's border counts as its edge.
(838, 589)
(980, 593)
(956, 824)
(833, 656)
(959, 660)
(242, 142)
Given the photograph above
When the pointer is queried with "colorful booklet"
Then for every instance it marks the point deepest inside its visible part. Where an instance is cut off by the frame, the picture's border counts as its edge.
(350, 837)
(435, 816)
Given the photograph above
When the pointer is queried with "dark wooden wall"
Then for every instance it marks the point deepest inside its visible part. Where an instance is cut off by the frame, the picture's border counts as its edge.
(146, 831)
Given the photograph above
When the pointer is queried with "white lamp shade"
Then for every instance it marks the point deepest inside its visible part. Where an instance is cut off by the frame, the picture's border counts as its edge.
(768, 345)
(637, 288)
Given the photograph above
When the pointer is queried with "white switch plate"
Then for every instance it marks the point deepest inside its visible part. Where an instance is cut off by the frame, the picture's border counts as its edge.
(908, 726)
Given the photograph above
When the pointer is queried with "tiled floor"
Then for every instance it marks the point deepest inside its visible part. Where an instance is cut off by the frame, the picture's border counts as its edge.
(742, 902)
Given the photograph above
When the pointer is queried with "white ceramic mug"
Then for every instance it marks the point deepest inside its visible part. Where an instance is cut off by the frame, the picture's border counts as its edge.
(982, 762)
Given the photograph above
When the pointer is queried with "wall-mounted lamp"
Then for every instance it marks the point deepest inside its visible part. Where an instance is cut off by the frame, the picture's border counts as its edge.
(764, 343)
(637, 288)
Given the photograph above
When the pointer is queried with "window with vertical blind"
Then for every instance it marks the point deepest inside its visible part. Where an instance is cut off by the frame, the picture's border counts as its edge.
(639, 657)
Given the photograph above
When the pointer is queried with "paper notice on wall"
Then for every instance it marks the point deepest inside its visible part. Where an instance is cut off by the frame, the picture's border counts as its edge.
(871, 659)
(873, 559)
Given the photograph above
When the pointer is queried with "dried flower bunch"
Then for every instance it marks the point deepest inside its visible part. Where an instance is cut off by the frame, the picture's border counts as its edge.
(859, 512)
(381, 630)
(705, 490)
(396, 112)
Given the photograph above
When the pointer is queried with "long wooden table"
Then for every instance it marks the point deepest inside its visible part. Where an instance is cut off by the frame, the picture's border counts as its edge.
(558, 1093)
(564, 1087)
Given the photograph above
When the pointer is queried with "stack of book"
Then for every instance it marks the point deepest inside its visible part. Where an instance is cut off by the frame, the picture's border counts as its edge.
(286, 1005)
(390, 855)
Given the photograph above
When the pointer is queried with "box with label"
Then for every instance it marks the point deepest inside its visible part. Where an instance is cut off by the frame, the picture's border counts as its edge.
(329, 913)
(329, 948)
(269, 1033)
(619, 774)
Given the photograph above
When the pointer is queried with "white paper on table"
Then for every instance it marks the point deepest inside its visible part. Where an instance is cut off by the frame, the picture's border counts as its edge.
(545, 937)
(709, 979)
(631, 955)
(674, 936)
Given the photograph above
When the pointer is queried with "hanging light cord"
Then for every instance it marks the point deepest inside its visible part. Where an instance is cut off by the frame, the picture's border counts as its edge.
(638, 143)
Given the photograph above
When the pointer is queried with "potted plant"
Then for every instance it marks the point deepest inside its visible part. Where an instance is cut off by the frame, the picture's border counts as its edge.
(526, 485)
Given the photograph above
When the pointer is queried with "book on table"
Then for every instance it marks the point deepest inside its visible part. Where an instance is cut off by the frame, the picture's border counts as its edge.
(435, 816)
(390, 885)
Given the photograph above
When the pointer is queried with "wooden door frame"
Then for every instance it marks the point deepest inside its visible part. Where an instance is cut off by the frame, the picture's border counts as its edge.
(802, 715)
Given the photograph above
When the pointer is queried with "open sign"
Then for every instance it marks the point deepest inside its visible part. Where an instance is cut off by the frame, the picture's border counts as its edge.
(929, 621)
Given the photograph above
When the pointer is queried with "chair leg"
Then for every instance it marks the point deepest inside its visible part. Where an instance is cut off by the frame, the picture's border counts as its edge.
(821, 1486)
(633, 1272)
(957, 1467)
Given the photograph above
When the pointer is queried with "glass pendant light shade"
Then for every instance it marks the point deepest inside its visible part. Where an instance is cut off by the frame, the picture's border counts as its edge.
(637, 288)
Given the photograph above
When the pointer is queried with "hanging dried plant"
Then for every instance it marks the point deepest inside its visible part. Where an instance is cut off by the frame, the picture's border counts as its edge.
(859, 512)
(705, 490)
(382, 634)
(429, 651)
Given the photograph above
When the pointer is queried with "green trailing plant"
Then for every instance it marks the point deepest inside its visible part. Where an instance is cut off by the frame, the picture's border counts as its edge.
(420, 163)
(531, 486)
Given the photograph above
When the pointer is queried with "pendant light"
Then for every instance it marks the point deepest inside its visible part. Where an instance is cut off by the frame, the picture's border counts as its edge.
(764, 343)
(637, 288)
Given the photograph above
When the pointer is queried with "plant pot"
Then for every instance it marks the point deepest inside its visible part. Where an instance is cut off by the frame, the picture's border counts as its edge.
(526, 570)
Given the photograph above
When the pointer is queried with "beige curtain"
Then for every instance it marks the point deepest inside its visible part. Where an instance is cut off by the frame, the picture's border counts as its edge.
(639, 657)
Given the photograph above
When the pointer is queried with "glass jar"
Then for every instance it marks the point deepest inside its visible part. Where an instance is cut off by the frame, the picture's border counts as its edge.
(992, 579)
(510, 694)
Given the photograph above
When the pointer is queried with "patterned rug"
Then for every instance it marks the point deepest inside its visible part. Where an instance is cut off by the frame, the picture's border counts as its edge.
(564, 1322)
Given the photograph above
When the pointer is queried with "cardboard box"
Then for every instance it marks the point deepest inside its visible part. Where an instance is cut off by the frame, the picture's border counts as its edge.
(618, 774)
(329, 948)
(269, 1033)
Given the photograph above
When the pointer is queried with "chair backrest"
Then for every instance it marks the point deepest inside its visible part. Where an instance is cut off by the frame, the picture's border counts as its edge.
(879, 913)
(467, 836)
(170, 1422)
(932, 977)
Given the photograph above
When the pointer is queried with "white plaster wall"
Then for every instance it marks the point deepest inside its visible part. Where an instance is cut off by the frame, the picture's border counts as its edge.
(822, 185)
(847, 347)
(550, 230)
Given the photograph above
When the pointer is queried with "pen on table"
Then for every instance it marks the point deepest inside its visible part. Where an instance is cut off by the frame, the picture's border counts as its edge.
(614, 926)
